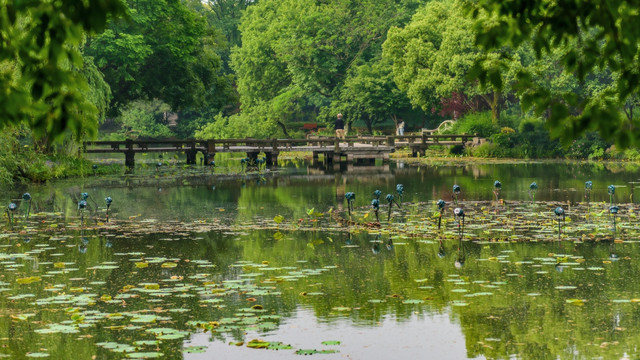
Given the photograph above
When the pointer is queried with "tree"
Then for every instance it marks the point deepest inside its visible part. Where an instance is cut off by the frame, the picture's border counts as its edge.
(302, 52)
(147, 119)
(40, 81)
(369, 94)
(594, 36)
(433, 55)
(165, 51)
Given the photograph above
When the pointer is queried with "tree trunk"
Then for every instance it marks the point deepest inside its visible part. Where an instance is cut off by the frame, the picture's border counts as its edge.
(494, 103)
(369, 126)
(284, 129)
(495, 107)
(396, 122)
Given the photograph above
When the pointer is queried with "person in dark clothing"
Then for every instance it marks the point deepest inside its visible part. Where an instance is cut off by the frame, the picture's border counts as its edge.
(339, 126)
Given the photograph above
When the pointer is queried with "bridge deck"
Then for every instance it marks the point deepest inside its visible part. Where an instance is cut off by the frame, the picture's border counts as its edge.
(373, 147)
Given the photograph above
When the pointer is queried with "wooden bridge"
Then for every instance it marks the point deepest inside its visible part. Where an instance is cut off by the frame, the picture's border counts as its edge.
(332, 149)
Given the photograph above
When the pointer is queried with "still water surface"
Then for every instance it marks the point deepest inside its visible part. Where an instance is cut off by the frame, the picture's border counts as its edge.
(187, 254)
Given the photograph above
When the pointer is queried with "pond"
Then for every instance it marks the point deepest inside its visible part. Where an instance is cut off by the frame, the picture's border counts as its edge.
(192, 265)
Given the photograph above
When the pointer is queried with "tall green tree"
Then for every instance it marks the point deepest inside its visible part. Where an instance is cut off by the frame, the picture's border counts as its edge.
(433, 55)
(164, 51)
(40, 63)
(369, 94)
(595, 36)
(300, 53)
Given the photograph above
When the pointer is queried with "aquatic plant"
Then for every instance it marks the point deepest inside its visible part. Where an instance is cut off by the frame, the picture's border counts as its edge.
(441, 205)
(95, 168)
(244, 164)
(262, 164)
(158, 166)
(351, 197)
(532, 191)
(560, 214)
(456, 193)
(377, 194)
(27, 197)
(497, 187)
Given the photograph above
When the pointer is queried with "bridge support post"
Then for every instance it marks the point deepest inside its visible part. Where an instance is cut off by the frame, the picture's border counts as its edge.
(191, 157)
(209, 157)
(211, 151)
(391, 141)
(272, 159)
(253, 156)
(129, 154)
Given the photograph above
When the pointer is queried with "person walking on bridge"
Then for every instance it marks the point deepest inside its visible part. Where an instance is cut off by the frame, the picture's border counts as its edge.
(339, 126)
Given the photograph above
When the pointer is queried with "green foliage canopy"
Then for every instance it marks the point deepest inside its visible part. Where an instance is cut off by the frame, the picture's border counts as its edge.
(39, 61)
(297, 55)
(433, 55)
(165, 51)
(595, 36)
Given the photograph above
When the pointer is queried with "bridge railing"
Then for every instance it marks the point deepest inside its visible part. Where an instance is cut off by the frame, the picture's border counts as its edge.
(269, 145)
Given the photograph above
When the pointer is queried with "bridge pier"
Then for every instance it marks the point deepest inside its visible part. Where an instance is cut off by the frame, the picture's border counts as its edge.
(272, 158)
(191, 157)
(129, 154)
(253, 156)
(129, 159)
(209, 157)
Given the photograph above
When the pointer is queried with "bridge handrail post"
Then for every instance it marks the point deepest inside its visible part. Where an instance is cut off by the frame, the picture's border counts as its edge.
(391, 141)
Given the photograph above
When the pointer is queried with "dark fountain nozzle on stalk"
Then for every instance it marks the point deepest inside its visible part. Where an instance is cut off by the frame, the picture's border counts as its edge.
(456, 193)
(588, 186)
(532, 191)
(375, 204)
(497, 187)
(391, 201)
(611, 190)
(351, 197)
(85, 197)
(108, 200)
(613, 210)
(441, 205)
(459, 215)
(82, 205)
(560, 215)
(400, 191)
(27, 197)
(10, 210)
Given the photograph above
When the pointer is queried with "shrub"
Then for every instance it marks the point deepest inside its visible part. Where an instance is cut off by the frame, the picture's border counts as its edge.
(477, 123)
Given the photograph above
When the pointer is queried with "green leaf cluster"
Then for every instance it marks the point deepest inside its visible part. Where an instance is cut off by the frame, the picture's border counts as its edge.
(39, 62)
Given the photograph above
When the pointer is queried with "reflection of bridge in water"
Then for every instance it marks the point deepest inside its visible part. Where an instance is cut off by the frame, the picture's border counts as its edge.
(332, 150)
